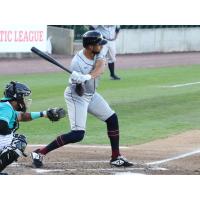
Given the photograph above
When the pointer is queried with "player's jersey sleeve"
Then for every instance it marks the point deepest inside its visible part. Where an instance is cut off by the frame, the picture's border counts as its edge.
(74, 66)
(100, 56)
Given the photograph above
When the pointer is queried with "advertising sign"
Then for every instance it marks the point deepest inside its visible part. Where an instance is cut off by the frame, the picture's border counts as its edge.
(20, 38)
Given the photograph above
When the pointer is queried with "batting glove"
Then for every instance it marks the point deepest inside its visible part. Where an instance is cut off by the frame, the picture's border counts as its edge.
(80, 78)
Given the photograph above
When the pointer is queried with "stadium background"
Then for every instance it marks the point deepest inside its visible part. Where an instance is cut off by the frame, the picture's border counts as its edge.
(157, 102)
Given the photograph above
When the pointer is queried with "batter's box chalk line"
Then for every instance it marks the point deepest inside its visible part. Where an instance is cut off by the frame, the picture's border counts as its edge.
(79, 146)
(41, 171)
(174, 158)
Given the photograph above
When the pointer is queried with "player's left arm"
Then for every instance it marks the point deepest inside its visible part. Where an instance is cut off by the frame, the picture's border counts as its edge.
(99, 68)
(28, 116)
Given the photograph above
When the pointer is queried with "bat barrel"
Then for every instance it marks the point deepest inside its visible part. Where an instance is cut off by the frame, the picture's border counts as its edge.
(49, 58)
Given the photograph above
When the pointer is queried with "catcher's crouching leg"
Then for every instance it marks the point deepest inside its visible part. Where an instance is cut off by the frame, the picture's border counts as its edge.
(12, 152)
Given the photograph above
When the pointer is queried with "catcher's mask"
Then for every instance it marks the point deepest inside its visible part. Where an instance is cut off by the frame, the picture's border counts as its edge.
(20, 93)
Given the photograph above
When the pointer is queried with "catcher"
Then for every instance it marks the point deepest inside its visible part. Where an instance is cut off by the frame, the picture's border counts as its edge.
(13, 108)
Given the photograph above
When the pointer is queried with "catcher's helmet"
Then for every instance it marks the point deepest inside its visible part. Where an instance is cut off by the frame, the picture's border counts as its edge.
(93, 38)
(16, 91)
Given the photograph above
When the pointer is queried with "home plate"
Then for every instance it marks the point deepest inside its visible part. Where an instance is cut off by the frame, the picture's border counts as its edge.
(40, 171)
(128, 173)
(14, 164)
(158, 168)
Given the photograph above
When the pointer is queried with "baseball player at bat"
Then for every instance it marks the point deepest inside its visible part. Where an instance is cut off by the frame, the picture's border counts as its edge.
(13, 108)
(87, 65)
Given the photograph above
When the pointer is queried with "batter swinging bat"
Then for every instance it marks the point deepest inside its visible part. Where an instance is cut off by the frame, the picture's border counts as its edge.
(79, 88)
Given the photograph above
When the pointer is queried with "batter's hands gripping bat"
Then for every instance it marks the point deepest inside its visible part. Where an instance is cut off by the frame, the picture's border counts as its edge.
(79, 88)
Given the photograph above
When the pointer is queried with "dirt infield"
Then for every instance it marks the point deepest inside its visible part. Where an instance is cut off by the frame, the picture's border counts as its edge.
(174, 155)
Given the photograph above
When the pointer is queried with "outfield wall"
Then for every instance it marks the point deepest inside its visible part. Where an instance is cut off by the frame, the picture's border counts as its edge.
(62, 40)
(129, 41)
(158, 40)
(16, 40)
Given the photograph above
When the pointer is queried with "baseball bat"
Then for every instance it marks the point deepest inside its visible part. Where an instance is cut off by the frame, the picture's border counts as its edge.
(79, 89)
(49, 58)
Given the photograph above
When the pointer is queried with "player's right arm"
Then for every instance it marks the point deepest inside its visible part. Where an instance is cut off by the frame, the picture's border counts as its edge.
(78, 77)
(96, 72)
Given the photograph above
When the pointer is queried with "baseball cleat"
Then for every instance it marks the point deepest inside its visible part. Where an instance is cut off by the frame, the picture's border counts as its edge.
(120, 161)
(37, 158)
(3, 173)
(114, 77)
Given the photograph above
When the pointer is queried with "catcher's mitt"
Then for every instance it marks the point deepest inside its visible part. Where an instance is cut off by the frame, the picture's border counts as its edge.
(54, 114)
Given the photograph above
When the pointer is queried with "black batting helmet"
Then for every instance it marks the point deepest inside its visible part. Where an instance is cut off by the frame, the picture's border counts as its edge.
(93, 38)
(16, 91)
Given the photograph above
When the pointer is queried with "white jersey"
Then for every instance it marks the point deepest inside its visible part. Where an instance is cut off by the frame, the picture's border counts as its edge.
(91, 102)
(82, 64)
(108, 31)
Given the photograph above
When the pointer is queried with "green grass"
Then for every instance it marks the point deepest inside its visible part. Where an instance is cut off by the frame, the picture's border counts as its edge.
(146, 110)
